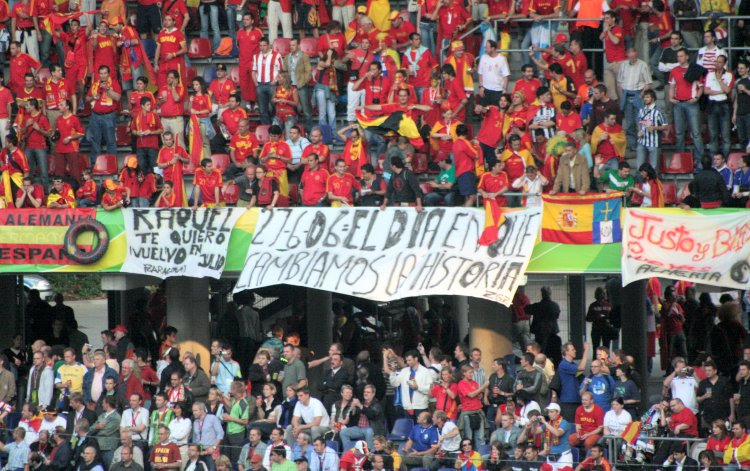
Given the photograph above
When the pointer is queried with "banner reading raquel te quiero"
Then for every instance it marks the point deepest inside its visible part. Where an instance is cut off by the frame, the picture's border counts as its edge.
(179, 242)
(710, 249)
(391, 254)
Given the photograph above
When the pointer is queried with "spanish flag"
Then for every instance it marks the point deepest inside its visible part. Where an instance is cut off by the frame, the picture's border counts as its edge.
(397, 122)
(576, 219)
(631, 432)
(493, 219)
(196, 141)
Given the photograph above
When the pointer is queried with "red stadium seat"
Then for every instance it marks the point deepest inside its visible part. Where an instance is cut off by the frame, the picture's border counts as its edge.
(419, 163)
(302, 130)
(42, 75)
(200, 48)
(426, 188)
(379, 166)
(309, 46)
(734, 161)
(261, 132)
(221, 162)
(680, 163)
(231, 194)
(282, 45)
(332, 162)
(106, 164)
(84, 160)
(668, 136)
(670, 193)
(190, 74)
(122, 135)
(189, 168)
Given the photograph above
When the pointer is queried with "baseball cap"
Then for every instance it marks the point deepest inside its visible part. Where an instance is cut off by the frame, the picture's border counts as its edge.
(221, 67)
(531, 168)
(395, 14)
(361, 446)
(120, 327)
(361, 9)
(256, 459)
(109, 184)
(552, 405)
(561, 38)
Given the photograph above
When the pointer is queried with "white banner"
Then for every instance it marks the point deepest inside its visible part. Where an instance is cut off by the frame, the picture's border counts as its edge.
(178, 242)
(711, 250)
(391, 254)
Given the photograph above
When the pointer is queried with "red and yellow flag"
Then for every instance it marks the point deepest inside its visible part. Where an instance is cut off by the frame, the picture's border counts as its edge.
(196, 141)
(493, 219)
(631, 432)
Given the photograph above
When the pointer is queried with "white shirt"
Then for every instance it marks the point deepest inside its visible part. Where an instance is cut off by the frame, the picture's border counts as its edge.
(418, 398)
(712, 83)
(493, 72)
(523, 413)
(133, 419)
(310, 412)
(531, 186)
(50, 426)
(617, 423)
(684, 389)
(179, 431)
(453, 443)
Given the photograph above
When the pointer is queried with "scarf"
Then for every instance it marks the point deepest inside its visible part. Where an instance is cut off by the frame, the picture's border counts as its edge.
(548, 437)
(355, 149)
(95, 90)
(657, 194)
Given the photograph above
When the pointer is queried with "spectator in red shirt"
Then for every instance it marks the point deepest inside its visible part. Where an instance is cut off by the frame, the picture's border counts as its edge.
(87, 193)
(171, 99)
(115, 196)
(589, 423)
(614, 51)
(248, 42)
(29, 195)
(342, 187)
(527, 84)
(6, 103)
(400, 32)
(466, 154)
(418, 62)
(34, 133)
(494, 183)
(20, 64)
(206, 185)
(682, 422)
(69, 134)
(469, 393)
(313, 183)
(146, 128)
(23, 29)
(104, 96)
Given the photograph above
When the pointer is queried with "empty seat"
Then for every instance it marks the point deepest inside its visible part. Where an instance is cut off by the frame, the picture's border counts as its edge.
(200, 48)
(231, 194)
(282, 45)
(670, 193)
(680, 163)
(261, 132)
(419, 163)
(401, 430)
(221, 162)
(106, 164)
(309, 46)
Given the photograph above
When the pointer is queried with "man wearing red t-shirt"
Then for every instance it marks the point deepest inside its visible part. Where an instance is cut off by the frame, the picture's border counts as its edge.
(682, 422)
(589, 423)
(56, 90)
(207, 185)
(171, 48)
(456, 95)
(318, 147)
(243, 150)
(465, 155)
(34, 132)
(221, 88)
(527, 84)
(684, 97)
(29, 195)
(453, 19)
(20, 65)
(491, 132)
(342, 187)
(614, 51)
(66, 151)
(6, 107)
(104, 96)
(232, 116)
(314, 182)
(171, 99)
(103, 47)
(418, 62)
(248, 42)
(23, 29)
(276, 154)
(146, 127)
(595, 460)
(494, 183)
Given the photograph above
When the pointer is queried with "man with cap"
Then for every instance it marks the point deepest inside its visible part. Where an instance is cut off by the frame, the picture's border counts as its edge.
(354, 458)
(400, 31)
(171, 48)
(556, 442)
(115, 197)
(221, 89)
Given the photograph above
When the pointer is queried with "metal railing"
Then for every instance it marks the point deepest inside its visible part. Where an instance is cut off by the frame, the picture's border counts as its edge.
(614, 445)
(729, 19)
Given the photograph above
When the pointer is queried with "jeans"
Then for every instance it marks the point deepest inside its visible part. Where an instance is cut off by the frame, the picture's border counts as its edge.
(107, 456)
(101, 125)
(86, 203)
(743, 129)
(375, 145)
(147, 158)
(304, 100)
(45, 45)
(276, 16)
(265, 93)
(644, 153)
(232, 20)
(427, 31)
(326, 105)
(719, 124)
(38, 158)
(350, 434)
(630, 104)
(437, 198)
(210, 12)
(286, 123)
(525, 45)
(688, 114)
(139, 202)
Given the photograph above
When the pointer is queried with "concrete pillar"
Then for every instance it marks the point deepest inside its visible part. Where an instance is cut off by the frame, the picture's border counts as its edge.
(577, 310)
(319, 328)
(460, 309)
(634, 329)
(14, 304)
(490, 329)
(187, 310)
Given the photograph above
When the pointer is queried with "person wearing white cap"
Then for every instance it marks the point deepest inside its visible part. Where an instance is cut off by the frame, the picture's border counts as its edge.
(354, 459)
(556, 444)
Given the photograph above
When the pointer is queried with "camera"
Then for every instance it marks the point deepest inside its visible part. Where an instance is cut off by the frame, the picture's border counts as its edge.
(376, 101)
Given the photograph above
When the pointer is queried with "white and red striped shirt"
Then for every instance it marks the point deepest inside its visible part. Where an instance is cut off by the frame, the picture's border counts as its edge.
(267, 66)
(707, 57)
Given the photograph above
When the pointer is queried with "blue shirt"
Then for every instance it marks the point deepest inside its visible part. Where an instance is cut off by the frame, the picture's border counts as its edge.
(563, 444)
(208, 431)
(18, 455)
(328, 462)
(726, 174)
(568, 382)
(423, 438)
(297, 452)
(603, 388)
(741, 180)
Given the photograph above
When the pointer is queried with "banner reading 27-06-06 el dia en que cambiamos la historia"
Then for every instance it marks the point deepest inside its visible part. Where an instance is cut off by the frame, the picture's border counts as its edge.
(390, 254)
(680, 245)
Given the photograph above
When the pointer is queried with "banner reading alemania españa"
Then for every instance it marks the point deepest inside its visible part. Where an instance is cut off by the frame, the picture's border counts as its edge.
(712, 250)
(391, 254)
(182, 242)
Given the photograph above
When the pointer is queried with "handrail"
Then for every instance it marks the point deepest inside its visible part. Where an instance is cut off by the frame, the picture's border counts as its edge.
(613, 447)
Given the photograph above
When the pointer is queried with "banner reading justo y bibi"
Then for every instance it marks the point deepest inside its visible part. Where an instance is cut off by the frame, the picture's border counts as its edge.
(675, 244)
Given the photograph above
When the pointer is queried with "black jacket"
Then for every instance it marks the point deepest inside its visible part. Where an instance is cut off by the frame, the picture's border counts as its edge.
(710, 187)
(330, 386)
(87, 414)
(375, 415)
(689, 465)
(63, 455)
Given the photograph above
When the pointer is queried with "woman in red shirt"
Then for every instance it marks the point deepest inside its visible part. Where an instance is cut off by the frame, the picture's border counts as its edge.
(445, 393)
(200, 107)
(718, 440)
(471, 406)
(286, 100)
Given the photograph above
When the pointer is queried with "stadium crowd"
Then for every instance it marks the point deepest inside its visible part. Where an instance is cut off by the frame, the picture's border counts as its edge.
(120, 77)
(419, 400)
